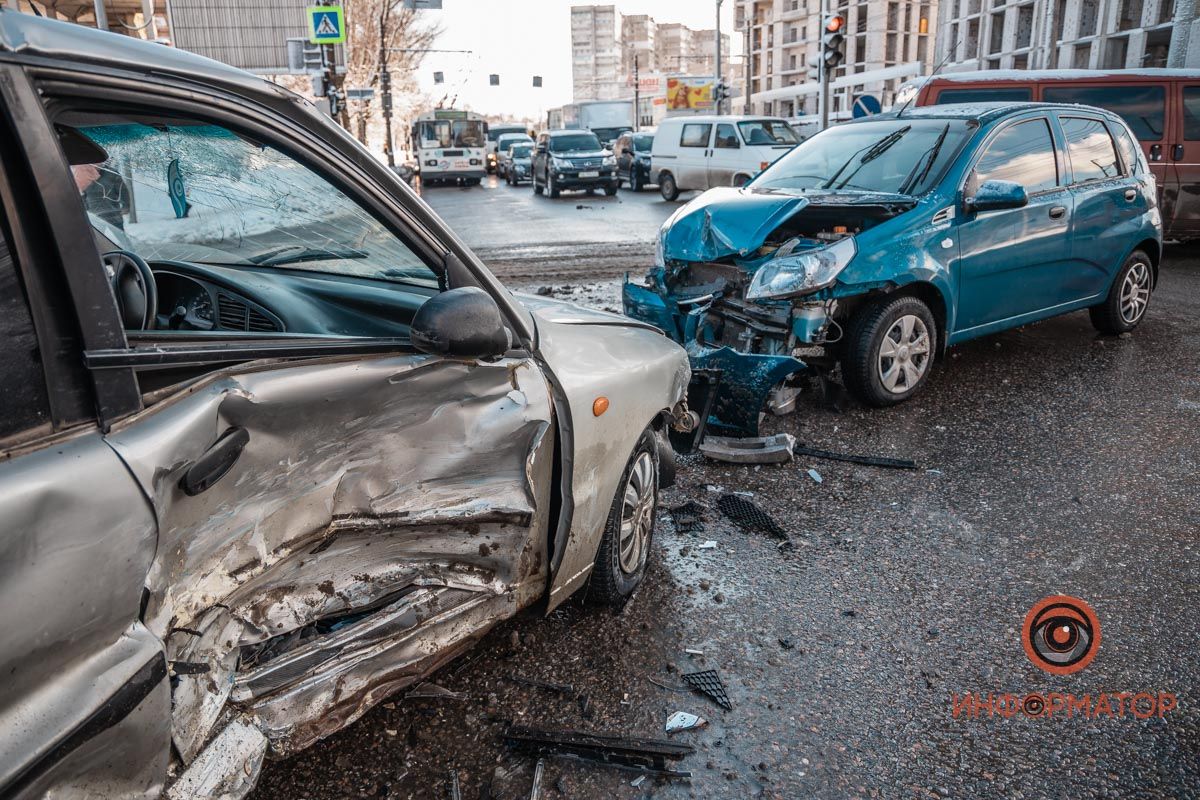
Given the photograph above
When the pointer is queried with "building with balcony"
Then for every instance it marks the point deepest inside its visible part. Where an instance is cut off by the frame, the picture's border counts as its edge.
(1049, 34)
(596, 72)
(887, 42)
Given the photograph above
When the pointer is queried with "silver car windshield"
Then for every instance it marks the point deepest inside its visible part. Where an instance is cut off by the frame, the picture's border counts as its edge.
(903, 156)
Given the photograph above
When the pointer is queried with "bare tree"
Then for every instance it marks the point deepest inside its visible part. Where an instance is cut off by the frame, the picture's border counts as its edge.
(382, 36)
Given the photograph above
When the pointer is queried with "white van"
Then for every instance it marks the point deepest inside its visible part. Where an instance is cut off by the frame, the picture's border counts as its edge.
(702, 152)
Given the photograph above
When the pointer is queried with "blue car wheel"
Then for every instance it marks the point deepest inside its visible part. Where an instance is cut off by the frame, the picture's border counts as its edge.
(890, 351)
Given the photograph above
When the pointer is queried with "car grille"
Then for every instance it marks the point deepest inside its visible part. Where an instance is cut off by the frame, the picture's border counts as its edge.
(584, 163)
(234, 315)
(452, 152)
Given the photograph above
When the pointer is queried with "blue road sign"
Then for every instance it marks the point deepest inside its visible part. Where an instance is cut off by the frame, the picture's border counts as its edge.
(866, 105)
(326, 25)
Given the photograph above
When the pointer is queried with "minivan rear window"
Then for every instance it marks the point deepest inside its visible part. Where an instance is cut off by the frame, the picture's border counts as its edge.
(695, 134)
(1011, 94)
(1142, 107)
(1191, 113)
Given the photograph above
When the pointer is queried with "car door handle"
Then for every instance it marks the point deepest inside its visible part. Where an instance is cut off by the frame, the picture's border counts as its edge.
(1177, 152)
(1131, 194)
(1058, 212)
(216, 462)
(1156, 152)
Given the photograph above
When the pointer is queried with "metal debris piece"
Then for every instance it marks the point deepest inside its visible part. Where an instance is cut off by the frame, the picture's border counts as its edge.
(535, 792)
(816, 476)
(636, 782)
(749, 516)
(870, 461)
(708, 682)
(431, 691)
(688, 518)
(646, 755)
(683, 721)
(561, 688)
(775, 449)
(691, 651)
(708, 545)
(455, 791)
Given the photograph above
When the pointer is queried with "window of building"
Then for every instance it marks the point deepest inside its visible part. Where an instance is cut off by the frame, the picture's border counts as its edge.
(1024, 26)
(1166, 11)
(1157, 44)
(1021, 61)
(1082, 56)
(1142, 107)
(1115, 50)
(1022, 153)
(1089, 11)
(972, 46)
(1093, 156)
(996, 39)
(1129, 14)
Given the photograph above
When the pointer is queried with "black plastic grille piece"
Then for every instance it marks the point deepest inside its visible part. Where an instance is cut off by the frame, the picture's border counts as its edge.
(749, 516)
(708, 682)
(688, 518)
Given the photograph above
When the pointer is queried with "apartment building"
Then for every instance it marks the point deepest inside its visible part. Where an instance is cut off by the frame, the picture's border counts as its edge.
(595, 54)
(605, 43)
(1048, 34)
(887, 42)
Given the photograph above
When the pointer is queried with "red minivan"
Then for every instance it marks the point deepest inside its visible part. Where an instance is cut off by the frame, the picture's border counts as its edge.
(1162, 106)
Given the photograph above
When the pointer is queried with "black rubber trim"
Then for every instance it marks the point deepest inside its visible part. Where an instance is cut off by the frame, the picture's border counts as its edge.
(115, 709)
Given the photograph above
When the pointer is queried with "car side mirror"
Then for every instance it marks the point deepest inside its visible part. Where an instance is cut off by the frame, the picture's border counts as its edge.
(997, 195)
(463, 322)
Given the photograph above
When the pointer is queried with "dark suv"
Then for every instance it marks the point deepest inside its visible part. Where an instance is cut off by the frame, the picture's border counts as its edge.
(572, 159)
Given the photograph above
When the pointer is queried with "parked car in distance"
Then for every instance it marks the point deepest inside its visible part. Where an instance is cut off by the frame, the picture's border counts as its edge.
(885, 240)
(518, 162)
(632, 151)
(494, 133)
(572, 159)
(700, 152)
(505, 141)
(1161, 107)
(294, 448)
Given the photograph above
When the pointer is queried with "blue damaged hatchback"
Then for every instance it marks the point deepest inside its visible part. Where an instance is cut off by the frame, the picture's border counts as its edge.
(878, 243)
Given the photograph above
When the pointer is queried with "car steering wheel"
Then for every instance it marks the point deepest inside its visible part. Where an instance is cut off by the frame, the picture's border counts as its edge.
(135, 289)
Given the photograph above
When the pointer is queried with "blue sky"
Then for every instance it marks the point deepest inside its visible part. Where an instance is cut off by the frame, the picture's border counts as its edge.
(521, 38)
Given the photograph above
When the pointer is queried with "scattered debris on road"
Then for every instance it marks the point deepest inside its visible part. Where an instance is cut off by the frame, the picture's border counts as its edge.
(647, 755)
(683, 721)
(431, 691)
(455, 790)
(561, 688)
(869, 461)
(816, 476)
(750, 517)
(775, 449)
(535, 792)
(710, 544)
(691, 651)
(688, 518)
(708, 682)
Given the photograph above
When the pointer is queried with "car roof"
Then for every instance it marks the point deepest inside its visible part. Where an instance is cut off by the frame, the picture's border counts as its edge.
(721, 118)
(568, 131)
(1030, 75)
(26, 35)
(982, 113)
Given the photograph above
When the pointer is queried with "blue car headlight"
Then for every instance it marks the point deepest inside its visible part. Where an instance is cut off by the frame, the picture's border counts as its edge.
(801, 273)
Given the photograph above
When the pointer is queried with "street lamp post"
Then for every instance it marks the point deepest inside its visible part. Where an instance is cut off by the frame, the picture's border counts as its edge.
(717, 78)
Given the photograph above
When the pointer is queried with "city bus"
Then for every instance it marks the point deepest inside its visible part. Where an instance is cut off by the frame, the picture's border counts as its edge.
(450, 146)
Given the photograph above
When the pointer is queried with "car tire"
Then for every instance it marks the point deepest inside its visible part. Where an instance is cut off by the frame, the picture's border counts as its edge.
(537, 187)
(635, 181)
(551, 188)
(611, 189)
(667, 187)
(622, 557)
(890, 347)
(1128, 297)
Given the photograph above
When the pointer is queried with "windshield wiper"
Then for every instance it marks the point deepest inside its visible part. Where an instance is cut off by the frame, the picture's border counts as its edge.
(871, 153)
(932, 153)
(296, 254)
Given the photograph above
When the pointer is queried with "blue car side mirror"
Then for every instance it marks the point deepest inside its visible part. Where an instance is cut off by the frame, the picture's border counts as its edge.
(996, 195)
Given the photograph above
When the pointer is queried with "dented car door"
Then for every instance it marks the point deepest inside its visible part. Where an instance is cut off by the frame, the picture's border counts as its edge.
(372, 506)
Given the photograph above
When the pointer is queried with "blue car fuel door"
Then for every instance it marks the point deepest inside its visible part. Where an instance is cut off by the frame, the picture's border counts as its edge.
(1013, 260)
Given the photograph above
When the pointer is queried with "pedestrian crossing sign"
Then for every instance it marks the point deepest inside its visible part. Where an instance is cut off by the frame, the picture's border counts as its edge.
(326, 25)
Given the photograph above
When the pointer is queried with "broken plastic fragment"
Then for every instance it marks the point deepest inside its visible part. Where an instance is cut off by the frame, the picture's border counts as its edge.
(709, 545)
(775, 449)
(691, 651)
(683, 721)
(816, 476)
(708, 682)
(431, 691)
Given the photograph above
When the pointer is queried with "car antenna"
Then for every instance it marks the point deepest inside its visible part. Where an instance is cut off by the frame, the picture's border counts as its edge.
(932, 75)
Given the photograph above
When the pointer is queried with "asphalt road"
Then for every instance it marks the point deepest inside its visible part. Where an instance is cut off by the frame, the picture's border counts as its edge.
(1051, 461)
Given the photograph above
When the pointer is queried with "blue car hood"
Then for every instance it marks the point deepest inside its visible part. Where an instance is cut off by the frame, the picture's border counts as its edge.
(727, 222)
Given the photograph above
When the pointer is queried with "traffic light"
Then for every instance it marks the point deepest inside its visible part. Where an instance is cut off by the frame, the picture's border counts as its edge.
(721, 92)
(833, 42)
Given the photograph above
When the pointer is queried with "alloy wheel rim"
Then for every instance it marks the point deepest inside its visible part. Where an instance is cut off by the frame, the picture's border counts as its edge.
(637, 514)
(904, 354)
(1135, 293)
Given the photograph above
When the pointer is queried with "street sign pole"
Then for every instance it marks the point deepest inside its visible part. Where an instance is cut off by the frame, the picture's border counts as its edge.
(717, 81)
(637, 94)
(385, 86)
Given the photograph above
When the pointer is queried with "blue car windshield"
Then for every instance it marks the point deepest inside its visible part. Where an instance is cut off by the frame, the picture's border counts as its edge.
(901, 156)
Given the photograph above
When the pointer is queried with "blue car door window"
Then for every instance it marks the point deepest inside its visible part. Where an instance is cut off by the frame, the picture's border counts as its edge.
(1093, 157)
(1022, 153)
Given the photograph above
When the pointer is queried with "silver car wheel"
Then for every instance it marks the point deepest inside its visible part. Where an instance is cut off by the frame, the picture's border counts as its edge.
(1135, 292)
(637, 513)
(904, 354)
